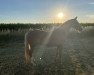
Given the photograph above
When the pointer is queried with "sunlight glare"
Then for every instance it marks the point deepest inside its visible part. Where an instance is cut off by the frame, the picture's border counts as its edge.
(60, 15)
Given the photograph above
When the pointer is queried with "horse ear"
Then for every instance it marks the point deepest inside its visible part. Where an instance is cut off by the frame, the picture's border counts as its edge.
(75, 18)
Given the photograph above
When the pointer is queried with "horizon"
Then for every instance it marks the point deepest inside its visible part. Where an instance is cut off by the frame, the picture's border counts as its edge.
(40, 11)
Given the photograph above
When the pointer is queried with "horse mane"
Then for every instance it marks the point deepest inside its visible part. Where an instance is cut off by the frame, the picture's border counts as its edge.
(63, 25)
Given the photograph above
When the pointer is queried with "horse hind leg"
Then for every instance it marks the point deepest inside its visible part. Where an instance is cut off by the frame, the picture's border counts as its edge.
(28, 52)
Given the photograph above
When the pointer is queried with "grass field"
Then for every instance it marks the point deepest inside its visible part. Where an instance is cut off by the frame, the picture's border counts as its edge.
(77, 56)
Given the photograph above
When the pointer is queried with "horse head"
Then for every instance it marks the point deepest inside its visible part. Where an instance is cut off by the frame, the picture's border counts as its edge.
(73, 23)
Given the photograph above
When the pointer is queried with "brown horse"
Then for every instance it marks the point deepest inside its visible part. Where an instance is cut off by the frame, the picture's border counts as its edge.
(54, 37)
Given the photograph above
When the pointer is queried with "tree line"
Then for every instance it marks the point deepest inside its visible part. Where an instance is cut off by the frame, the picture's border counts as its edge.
(16, 27)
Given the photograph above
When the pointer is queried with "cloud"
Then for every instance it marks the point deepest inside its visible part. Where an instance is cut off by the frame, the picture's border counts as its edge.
(90, 16)
(91, 3)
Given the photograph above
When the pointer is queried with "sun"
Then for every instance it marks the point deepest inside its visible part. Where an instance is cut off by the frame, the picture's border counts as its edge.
(60, 15)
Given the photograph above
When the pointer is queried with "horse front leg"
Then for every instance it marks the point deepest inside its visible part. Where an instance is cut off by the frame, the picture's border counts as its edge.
(59, 54)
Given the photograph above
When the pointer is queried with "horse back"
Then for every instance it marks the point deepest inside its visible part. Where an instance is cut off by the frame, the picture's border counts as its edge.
(36, 36)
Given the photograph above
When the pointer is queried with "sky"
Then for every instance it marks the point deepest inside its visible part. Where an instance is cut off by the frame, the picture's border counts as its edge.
(45, 11)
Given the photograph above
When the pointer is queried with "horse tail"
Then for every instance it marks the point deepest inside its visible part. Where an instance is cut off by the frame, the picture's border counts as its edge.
(27, 50)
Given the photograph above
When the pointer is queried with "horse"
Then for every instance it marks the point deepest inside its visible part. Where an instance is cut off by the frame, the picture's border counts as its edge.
(54, 37)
